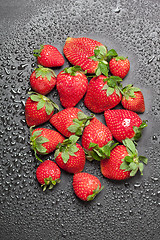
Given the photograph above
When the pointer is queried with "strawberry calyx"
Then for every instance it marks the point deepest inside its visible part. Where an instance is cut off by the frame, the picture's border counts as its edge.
(43, 101)
(49, 182)
(73, 70)
(132, 162)
(100, 55)
(67, 148)
(138, 130)
(129, 90)
(110, 54)
(79, 124)
(44, 72)
(113, 84)
(36, 142)
(120, 58)
(95, 192)
(37, 52)
(99, 153)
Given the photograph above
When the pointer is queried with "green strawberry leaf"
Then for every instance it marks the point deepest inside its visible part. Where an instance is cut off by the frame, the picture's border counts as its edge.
(143, 159)
(65, 156)
(41, 140)
(110, 91)
(103, 68)
(73, 149)
(141, 167)
(41, 149)
(49, 108)
(133, 172)
(120, 58)
(95, 192)
(36, 134)
(40, 104)
(73, 128)
(37, 52)
(73, 139)
(56, 153)
(138, 130)
(129, 145)
(35, 98)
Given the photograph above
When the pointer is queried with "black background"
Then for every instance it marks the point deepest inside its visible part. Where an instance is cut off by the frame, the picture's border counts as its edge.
(123, 210)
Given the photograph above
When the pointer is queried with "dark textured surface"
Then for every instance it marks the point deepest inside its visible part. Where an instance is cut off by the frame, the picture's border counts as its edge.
(123, 210)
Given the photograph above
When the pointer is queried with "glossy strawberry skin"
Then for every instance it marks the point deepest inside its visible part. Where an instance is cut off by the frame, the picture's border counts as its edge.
(54, 138)
(120, 122)
(75, 164)
(46, 169)
(96, 132)
(63, 119)
(84, 184)
(96, 99)
(71, 89)
(34, 116)
(41, 84)
(50, 57)
(119, 67)
(134, 104)
(77, 51)
(110, 168)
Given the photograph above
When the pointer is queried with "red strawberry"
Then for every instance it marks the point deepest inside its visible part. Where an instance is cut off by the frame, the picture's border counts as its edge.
(87, 53)
(44, 141)
(86, 186)
(70, 121)
(124, 124)
(48, 174)
(43, 80)
(102, 93)
(96, 132)
(71, 85)
(119, 66)
(123, 163)
(70, 156)
(49, 56)
(133, 99)
(38, 109)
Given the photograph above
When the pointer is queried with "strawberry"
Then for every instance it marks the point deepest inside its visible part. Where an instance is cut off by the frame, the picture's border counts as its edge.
(70, 121)
(48, 56)
(70, 156)
(48, 174)
(44, 141)
(124, 124)
(119, 66)
(96, 132)
(38, 109)
(86, 186)
(71, 85)
(42, 80)
(103, 93)
(124, 162)
(88, 53)
(133, 99)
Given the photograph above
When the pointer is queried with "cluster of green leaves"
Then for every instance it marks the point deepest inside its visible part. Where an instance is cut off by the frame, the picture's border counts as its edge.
(95, 192)
(113, 84)
(138, 130)
(44, 72)
(37, 52)
(129, 90)
(36, 142)
(132, 162)
(43, 101)
(79, 123)
(73, 70)
(67, 148)
(49, 182)
(99, 153)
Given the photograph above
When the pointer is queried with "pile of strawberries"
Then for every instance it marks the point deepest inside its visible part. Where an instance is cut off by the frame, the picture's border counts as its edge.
(119, 157)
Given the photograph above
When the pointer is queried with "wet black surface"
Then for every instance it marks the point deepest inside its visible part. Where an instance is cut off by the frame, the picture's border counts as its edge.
(123, 210)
